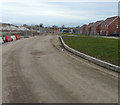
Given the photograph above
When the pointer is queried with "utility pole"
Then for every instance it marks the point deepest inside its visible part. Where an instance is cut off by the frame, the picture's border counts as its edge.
(31, 30)
(26, 31)
(39, 30)
(10, 30)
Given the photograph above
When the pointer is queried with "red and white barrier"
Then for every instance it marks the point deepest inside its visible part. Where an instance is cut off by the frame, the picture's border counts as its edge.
(1, 40)
(4, 39)
(13, 37)
(17, 37)
(7, 39)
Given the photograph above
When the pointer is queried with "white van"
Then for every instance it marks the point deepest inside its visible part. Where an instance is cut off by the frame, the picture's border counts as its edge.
(13, 37)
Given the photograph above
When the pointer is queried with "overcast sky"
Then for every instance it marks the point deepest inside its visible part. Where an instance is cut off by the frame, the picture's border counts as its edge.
(56, 13)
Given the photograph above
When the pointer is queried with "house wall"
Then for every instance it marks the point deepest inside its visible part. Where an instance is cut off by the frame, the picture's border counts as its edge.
(98, 30)
(92, 31)
(86, 32)
(83, 30)
(89, 31)
(103, 29)
(113, 27)
(119, 26)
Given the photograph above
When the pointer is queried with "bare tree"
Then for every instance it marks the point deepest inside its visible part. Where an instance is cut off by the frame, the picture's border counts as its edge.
(41, 25)
(63, 26)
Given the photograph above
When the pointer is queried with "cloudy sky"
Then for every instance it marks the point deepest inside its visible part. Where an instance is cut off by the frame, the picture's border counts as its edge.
(56, 13)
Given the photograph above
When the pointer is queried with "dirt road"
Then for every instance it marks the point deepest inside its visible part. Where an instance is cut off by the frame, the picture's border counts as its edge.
(36, 70)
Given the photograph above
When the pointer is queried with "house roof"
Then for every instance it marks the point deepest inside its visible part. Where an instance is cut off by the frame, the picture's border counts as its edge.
(22, 28)
(6, 26)
(109, 20)
(83, 25)
(90, 25)
(98, 23)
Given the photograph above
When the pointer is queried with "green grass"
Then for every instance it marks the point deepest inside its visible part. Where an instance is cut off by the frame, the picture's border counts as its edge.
(101, 48)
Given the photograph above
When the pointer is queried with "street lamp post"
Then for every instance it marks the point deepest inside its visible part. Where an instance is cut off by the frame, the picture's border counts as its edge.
(39, 29)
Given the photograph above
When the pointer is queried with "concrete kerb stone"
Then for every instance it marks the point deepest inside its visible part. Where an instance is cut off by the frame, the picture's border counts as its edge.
(91, 59)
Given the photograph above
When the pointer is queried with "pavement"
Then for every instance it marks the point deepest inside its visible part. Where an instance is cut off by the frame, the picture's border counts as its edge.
(39, 70)
(109, 37)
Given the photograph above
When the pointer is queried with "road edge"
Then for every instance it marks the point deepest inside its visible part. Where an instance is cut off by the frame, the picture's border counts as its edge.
(89, 58)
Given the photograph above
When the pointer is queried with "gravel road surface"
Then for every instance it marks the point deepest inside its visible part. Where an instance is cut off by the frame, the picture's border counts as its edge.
(37, 70)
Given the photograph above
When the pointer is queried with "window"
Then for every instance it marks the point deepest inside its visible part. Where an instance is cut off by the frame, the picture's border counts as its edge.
(117, 25)
(107, 26)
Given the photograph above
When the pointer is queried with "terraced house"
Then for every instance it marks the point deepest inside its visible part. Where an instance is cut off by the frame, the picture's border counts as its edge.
(110, 26)
(96, 27)
(89, 28)
(83, 29)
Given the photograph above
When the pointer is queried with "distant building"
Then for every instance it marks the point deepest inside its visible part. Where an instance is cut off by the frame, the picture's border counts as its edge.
(10, 29)
(76, 30)
(67, 30)
(110, 26)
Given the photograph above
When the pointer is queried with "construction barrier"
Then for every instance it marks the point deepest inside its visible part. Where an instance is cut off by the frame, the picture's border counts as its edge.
(1, 40)
(7, 39)
(13, 37)
(17, 37)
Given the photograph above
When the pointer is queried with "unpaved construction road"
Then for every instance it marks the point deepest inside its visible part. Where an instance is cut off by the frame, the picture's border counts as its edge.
(36, 70)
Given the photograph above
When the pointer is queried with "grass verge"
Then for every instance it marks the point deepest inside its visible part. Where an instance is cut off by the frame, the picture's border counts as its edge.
(101, 48)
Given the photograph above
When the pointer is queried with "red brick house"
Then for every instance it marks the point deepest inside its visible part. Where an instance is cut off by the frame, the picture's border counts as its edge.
(96, 27)
(110, 26)
(83, 29)
(89, 28)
